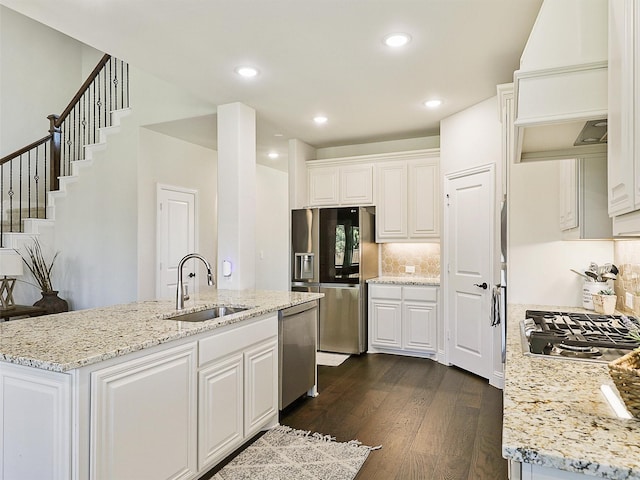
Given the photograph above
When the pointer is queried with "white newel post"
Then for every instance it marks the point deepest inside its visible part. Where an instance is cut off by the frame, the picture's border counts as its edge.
(236, 196)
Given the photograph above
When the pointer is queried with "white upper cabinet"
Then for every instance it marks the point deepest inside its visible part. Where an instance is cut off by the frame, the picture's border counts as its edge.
(340, 185)
(423, 200)
(323, 186)
(391, 214)
(356, 185)
(583, 199)
(624, 117)
(408, 199)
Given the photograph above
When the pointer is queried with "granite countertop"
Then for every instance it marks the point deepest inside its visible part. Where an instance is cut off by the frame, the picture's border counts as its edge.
(406, 280)
(555, 415)
(66, 341)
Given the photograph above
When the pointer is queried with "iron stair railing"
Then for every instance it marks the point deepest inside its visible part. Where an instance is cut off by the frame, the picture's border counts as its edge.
(28, 174)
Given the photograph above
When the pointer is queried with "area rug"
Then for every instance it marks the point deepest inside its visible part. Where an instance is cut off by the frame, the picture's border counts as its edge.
(330, 359)
(287, 454)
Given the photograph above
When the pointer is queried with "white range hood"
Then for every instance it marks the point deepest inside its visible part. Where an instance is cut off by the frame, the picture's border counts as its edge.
(562, 83)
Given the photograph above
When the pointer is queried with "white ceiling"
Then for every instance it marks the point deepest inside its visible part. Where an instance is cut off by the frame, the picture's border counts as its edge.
(314, 56)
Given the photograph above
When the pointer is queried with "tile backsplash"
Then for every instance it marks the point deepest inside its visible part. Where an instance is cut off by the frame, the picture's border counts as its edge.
(424, 257)
(626, 256)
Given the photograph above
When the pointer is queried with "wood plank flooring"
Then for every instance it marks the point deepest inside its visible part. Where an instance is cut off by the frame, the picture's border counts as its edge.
(433, 422)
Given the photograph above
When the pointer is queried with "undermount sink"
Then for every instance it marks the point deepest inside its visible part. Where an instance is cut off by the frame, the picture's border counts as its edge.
(208, 314)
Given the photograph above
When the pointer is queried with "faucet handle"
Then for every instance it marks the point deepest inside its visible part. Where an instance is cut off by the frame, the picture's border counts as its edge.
(185, 291)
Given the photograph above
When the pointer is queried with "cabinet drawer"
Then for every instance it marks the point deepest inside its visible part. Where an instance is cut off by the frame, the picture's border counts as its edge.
(225, 342)
(425, 294)
(392, 292)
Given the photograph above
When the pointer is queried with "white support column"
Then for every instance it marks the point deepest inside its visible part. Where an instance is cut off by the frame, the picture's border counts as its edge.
(299, 153)
(236, 195)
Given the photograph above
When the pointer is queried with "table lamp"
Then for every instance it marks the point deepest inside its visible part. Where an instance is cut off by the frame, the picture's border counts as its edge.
(10, 266)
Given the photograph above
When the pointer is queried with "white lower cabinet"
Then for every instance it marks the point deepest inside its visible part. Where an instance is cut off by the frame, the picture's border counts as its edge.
(144, 417)
(419, 322)
(35, 425)
(261, 392)
(170, 412)
(220, 409)
(237, 388)
(385, 323)
(403, 319)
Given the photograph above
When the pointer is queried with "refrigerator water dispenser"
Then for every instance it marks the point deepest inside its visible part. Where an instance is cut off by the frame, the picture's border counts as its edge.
(304, 266)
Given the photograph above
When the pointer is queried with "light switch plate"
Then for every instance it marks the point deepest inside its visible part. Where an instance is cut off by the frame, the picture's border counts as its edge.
(410, 269)
(628, 300)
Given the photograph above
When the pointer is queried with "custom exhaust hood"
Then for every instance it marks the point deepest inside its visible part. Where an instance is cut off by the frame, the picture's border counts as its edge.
(561, 86)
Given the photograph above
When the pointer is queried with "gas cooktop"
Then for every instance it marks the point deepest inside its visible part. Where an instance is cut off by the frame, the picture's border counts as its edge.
(578, 336)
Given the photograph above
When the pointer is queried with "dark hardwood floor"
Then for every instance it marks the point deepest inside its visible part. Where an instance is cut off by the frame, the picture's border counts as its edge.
(433, 422)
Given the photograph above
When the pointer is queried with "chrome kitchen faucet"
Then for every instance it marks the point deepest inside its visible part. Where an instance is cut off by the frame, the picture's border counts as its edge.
(180, 295)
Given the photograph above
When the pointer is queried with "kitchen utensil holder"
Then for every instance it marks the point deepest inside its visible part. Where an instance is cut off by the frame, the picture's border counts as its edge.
(625, 372)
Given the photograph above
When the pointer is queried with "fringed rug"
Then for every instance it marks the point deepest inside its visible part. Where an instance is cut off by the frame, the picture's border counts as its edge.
(287, 454)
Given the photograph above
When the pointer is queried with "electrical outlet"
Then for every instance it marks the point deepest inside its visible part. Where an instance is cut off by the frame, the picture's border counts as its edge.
(410, 269)
(628, 300)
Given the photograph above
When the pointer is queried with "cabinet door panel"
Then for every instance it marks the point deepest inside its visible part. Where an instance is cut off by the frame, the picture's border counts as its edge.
(323, 186)
(220, 411)
(569, 194)
(424, 200)
(356, 185)
(386, 324)
(391, 214)
(35, 428)
(261, 381)
(144, 418)
(419, 323)
(621, 105)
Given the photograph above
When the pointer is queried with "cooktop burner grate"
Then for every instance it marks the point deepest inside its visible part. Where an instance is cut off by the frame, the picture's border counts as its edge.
(579, 334)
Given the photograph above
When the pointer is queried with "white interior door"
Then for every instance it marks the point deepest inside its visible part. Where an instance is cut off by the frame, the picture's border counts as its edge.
(176, 238)
(469, 220)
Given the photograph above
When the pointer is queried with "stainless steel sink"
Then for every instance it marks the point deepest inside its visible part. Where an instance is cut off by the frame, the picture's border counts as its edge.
(209, 314)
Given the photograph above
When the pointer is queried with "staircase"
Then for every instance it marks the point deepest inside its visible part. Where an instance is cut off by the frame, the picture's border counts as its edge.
(33, 177)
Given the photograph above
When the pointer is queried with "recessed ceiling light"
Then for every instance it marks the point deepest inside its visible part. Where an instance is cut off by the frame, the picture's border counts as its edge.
(320, 119)
(273, 155)
(396, 40)
(278, 135)
(247, 72)
(433, 103)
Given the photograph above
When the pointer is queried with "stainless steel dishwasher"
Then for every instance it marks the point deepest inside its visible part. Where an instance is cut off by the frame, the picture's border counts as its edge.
(297, 342)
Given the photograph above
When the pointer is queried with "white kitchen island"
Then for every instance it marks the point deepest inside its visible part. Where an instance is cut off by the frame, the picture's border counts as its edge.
(123, 392)
(557, 424)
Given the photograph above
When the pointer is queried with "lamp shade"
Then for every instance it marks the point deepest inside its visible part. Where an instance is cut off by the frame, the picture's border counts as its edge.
(10, 262)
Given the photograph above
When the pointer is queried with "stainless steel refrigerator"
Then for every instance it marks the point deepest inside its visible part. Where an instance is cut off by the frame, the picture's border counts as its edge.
(334, 252)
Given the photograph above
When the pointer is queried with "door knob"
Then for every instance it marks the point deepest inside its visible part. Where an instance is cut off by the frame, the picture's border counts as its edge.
(191, 275)
(482, 285)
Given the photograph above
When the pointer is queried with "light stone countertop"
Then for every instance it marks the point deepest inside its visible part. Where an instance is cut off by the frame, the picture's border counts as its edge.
(406, 280)
(555, 415)
(71, 340)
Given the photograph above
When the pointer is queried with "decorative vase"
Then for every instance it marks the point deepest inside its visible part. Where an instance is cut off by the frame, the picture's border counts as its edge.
(52, 303)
